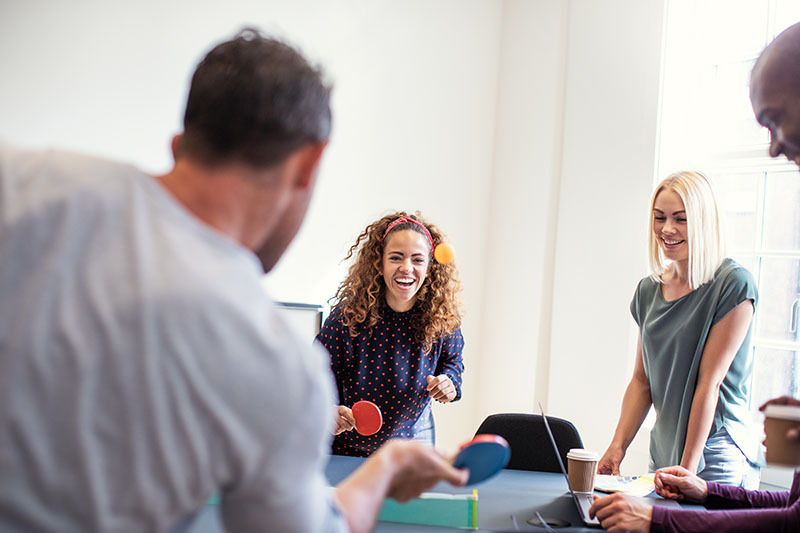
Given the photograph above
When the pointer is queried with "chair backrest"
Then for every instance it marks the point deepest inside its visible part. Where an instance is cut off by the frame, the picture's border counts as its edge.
(530, 445)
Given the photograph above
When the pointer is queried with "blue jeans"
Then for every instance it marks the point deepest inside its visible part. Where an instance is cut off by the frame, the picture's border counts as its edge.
(424, 428)
(726, 464)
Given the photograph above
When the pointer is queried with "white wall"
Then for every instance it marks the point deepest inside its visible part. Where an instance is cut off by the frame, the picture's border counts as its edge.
(524, 128)
(613, 69)
(573, 171)
(524, 207)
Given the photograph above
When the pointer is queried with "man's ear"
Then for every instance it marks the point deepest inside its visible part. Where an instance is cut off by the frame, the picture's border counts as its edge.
(306, 162)
(176, 145)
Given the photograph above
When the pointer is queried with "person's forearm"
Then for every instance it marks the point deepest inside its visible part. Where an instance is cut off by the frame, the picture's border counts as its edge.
(701, 416)
(362, 493)
(730, 497)
(669, 520)
(635, 405)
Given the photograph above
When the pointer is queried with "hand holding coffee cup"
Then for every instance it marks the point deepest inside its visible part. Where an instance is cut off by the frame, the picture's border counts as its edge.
(782, 429)
(581, 467)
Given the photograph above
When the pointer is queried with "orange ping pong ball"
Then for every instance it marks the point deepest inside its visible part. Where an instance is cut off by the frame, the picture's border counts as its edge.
(444, 253)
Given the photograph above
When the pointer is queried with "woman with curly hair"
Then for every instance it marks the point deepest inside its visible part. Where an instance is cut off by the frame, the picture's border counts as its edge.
(394, 333)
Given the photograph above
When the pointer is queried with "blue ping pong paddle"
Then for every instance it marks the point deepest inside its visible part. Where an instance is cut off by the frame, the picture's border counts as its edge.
(484, 456)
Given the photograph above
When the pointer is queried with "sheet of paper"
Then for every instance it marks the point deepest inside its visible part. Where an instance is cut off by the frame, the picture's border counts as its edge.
(641, 485)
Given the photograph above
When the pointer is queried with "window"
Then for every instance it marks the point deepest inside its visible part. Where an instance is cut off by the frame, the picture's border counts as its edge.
(706, 123)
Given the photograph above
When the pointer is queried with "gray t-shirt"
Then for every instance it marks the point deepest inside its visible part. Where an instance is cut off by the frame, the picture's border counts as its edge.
(673, 336)
(143, 368)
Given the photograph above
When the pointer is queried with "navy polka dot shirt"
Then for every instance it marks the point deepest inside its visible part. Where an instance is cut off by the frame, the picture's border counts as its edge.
(387, 367)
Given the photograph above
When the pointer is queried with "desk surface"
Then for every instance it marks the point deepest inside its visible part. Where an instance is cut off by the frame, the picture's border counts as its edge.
(511, 497)
(506, 502)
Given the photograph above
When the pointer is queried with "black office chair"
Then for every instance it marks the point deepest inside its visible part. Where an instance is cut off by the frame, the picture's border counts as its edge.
(530, 445)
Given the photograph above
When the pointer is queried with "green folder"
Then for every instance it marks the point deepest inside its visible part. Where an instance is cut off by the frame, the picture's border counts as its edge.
(434, 509)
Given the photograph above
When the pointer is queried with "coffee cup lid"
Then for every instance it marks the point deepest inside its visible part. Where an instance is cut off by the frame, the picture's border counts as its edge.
(788, 412)
(581, 454)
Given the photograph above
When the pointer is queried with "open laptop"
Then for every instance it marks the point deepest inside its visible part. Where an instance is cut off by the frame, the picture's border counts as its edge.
(583, 500)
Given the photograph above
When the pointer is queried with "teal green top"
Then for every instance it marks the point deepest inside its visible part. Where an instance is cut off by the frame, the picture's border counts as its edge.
(673, 337)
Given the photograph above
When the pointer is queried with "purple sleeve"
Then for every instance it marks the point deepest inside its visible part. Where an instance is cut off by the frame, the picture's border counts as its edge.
(450, 360)
(730, 497)
(768, 511)
(782, 519)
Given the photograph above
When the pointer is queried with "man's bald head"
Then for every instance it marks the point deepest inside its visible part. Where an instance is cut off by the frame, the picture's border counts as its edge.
(775, 93)
(780, 60)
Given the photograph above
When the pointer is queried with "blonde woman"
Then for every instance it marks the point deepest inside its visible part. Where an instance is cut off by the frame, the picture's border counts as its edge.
(693, 358)
(394, 334)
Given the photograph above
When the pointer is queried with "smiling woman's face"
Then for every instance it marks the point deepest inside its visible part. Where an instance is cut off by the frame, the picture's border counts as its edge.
(406, 256)
(669, 225)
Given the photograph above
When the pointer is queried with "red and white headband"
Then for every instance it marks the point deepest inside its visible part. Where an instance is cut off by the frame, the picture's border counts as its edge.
(407, 220)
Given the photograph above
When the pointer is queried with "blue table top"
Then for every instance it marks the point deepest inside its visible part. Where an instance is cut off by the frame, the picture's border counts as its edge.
(506, 501)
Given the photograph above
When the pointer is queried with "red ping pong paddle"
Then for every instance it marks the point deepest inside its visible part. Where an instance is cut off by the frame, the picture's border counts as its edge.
(368, 417)
(484, 456)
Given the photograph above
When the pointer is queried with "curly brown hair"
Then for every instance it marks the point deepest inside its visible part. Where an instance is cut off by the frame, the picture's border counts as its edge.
(361, 295)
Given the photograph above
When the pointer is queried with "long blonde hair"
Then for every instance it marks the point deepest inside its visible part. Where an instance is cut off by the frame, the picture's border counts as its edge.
(704, 228)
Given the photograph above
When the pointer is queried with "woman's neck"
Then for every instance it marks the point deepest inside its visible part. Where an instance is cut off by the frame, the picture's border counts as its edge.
(678, 273)
(400, 307)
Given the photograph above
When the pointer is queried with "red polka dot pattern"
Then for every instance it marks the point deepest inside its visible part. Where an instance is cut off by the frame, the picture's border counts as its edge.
(387, 367)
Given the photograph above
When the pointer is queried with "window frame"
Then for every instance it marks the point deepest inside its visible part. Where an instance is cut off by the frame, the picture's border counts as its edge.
(739, 158)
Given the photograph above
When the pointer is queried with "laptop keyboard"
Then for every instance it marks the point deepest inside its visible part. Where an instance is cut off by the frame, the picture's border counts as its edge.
(585, 500)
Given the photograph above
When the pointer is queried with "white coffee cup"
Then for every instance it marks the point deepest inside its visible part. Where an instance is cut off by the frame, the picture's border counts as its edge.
(778, 419)
(581, 467)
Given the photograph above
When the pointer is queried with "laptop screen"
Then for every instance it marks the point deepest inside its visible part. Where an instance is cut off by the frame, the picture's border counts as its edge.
(582, 500)
(555, 448)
